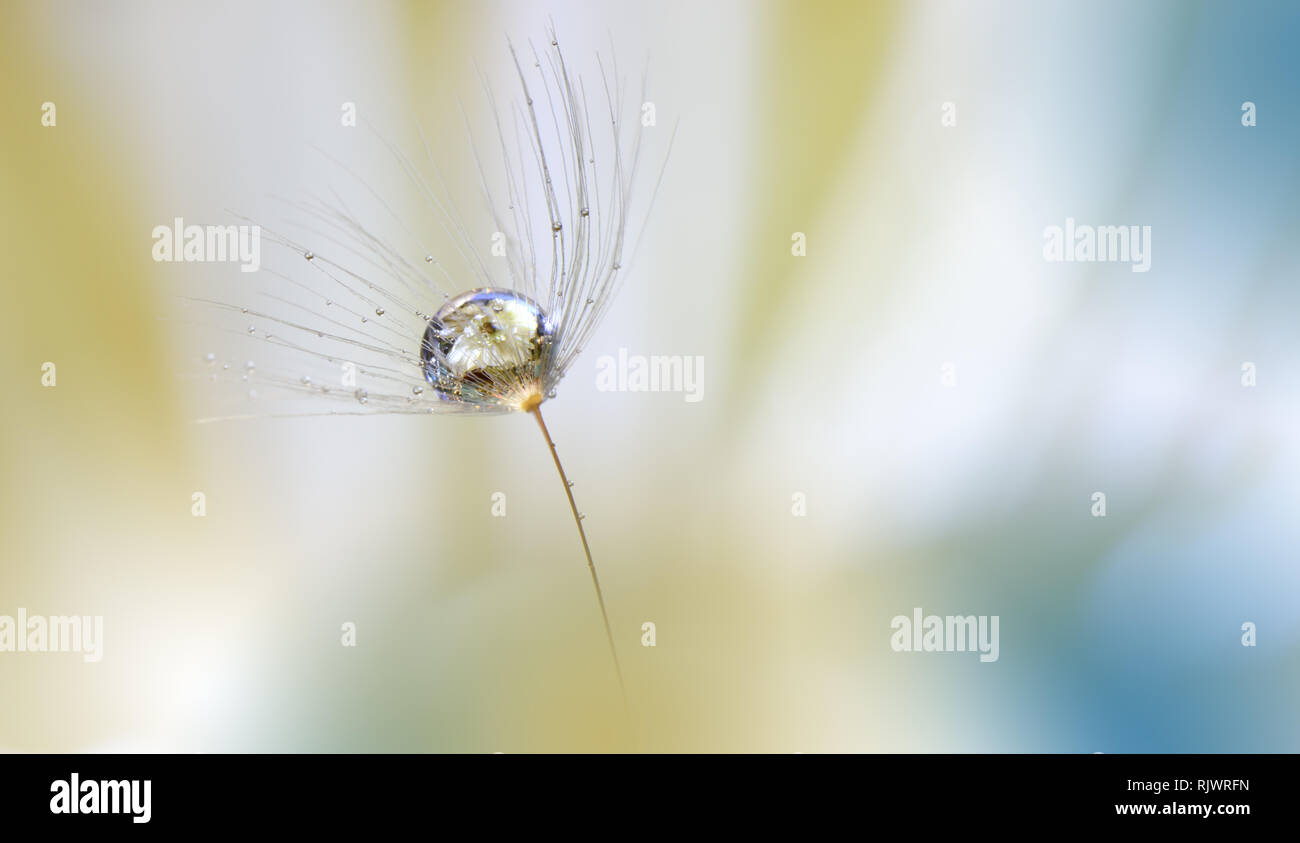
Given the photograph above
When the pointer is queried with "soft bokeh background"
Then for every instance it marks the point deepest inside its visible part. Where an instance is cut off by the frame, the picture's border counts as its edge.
(822, 377)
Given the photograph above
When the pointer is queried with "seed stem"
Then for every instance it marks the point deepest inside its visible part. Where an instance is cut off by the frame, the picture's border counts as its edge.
(591, 566)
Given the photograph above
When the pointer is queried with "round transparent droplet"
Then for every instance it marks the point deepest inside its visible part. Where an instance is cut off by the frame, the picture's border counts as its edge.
(486, 346)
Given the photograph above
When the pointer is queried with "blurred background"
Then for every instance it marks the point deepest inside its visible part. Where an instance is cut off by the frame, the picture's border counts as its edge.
(916, 413)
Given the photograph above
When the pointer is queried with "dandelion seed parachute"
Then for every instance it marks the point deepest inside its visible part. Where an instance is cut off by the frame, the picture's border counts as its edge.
(487, 336)
(403, 333)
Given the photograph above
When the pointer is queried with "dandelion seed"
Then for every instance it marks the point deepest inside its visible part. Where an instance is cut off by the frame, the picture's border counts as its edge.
(494, 347)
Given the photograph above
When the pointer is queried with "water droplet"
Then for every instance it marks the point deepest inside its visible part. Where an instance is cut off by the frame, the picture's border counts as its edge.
(308, 255)
(428, 258)
(250, 365)
(252, 329)
(243, 310)
(252, 393)
(210, 357)
(591, 301)
(618, 266)
(556, 227)
(584, 212)
(379, 311)
(306, 380)
(417, 389)
(225, 365)
(362, 396)
(484, 344)
(550, 394)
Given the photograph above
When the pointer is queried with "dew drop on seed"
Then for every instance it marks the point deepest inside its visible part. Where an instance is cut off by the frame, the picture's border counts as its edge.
(550, 394)
(362, 396)
(379, 311)
(417, 389)
(243, 310)
(556, 227)
(483, 344)
(584, 212)
(309, 255)
(306, 380)
(252, 329)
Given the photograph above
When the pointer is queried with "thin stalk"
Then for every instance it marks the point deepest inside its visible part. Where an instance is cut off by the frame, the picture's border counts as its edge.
(536, 410)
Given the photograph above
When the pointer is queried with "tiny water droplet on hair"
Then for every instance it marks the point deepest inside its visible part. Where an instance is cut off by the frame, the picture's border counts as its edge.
(556, 227)
(379, 311)
(306, 380)
(584, 212)
(252, 329)
(308, 255)
(428, 258)
(210, 357)
(362, 396)
(417, 389)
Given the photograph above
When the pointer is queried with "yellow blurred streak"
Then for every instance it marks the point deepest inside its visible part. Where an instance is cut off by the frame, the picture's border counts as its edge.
(823, 75)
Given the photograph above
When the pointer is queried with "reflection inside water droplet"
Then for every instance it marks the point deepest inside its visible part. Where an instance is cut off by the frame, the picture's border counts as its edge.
(485, 345)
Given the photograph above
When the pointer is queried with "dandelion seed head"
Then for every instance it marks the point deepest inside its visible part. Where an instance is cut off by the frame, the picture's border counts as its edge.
(505, 328)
